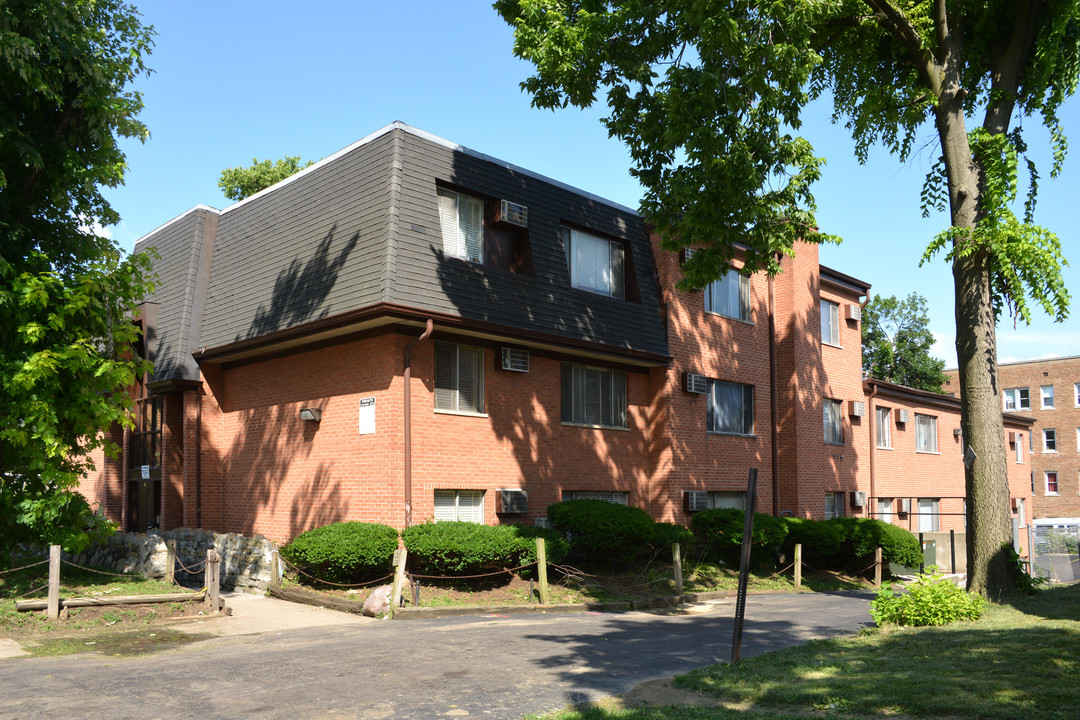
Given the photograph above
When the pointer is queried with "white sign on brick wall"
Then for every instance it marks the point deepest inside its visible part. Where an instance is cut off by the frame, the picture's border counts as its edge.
(367, 416)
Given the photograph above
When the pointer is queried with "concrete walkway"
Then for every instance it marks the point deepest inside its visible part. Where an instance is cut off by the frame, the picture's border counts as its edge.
(259, 614)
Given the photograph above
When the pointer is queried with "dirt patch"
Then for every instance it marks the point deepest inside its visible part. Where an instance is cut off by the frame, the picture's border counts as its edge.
(118, 644)
(660, 693)
(34, 624)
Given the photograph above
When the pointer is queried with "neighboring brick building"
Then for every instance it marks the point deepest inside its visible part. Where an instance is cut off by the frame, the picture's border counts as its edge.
(1048, 392)
(409, 329)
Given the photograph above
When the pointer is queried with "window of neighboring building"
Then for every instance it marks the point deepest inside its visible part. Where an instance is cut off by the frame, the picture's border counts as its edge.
(929, 515)
(834, 505)
(1076, 394)
(612, 496)
(729, 296)
(462, 221)
(884, 427)
(830, 323)
(725, 499)
(593, 396)
(925, 433)
(1017, 399)
(467, 505)
(146, 435)
(730, 408)
(1078, 439)
(1051, 483)
(459, 378)
(1049, 440)
(1021, 512)
(884, 509)
(1020, 447)
(1046, 392)
(834, 430)
(596, 264)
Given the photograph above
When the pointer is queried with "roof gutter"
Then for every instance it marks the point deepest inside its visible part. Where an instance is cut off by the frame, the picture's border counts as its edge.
(430, 327)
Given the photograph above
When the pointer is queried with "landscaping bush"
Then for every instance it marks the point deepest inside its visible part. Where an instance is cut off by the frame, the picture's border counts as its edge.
(344, 552)
(930, 600)
(600, 530)
(466, 548)
(665, 534)
(722, 528)
(863, 535)
(822, 540)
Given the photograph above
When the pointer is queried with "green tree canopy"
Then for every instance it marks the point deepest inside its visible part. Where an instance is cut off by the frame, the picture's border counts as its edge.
(709, 96)
(67, 294)
(896, 342)
(240, 182)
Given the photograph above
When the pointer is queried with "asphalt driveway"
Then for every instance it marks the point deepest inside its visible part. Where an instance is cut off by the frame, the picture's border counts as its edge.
(481, 666)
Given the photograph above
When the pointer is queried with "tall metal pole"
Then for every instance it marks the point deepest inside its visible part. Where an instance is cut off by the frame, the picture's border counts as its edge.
(744, 564)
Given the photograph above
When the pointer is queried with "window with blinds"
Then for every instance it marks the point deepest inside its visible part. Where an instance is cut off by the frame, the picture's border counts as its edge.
(459, 378)
(619, 497)
(596, 264)
(593, 396)
(730, 408)
(834, 429)
(729, 296)
(462, 221)
(464, 505)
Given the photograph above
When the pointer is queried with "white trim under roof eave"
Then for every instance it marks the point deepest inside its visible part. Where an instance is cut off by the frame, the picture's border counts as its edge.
(178, 218)
(398, 125)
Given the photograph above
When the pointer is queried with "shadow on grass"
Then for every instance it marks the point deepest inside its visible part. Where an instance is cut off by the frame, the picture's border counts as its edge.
(1060, 602)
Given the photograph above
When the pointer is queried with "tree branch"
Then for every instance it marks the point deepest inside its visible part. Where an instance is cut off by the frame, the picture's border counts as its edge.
(1007, 68)
(893, 21)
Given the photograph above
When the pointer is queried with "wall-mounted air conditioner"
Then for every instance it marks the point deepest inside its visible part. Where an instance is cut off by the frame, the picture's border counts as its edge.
(905, 505)
(695, 501)
(513, 502)
(858, 408)
(1012, 438)
(957, 432)
(696, 383)
(858, 499)
(515, 359)
(903, 416)
(512, 214)
(854, 312)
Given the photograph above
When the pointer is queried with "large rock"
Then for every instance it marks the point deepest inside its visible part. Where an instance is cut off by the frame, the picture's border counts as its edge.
(378, 602)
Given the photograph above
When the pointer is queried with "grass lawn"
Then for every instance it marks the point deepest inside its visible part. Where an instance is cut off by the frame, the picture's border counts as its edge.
(1021, 660)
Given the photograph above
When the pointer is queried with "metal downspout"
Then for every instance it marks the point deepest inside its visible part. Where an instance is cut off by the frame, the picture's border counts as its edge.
(773, 411)
(873, 444)
(198, 457)
(408, 418)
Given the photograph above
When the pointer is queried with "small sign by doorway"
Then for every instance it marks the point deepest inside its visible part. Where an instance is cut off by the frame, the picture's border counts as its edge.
(145, 471)
(367, 416)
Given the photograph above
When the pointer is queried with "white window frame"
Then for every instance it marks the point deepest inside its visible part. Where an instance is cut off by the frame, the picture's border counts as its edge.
(1046, 481)
(926, 435)
(885, 509)
(1049, 440)
(590, 269)
(1017, 398)
(459, 505)
(719, 300)
(1020, 448)
(723, 420)
(833, 421)
(456, 389)
(617, 497)
(461, 218)
(834, 505)
(929, 515)
(830, 323)
(594, 396)
(1076, 394)
(1046, 397)
(883, 428)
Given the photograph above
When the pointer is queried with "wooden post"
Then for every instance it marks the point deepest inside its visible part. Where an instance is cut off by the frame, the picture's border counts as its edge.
(541, 569)
(275, 568)
(213, 579)
(798, 567)
(676, 559)
(400, 555)
(54, 582)
(170, 561)
(877, 568)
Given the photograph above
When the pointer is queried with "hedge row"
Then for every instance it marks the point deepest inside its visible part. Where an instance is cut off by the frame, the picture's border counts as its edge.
(467, 548)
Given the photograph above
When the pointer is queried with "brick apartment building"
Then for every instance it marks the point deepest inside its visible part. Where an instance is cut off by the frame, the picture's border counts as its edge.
(1048, 392)
(410, 330)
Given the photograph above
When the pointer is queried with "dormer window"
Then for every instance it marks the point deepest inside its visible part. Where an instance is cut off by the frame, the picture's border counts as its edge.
(596, 263)
(462, 220)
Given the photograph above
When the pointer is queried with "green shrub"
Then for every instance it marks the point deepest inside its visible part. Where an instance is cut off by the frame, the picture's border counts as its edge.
(344, 552)
(863, 535)
(601, 530)
(930, 600)
(822, 540)
(666, 534)
(466, 548)
(723, 527)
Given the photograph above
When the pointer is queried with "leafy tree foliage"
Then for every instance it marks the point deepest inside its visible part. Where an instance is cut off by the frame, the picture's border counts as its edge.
(241, 182)
(896, 343)
(67, 295)
(708, 96)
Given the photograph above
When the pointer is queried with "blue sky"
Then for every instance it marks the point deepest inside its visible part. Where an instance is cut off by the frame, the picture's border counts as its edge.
(239, 80)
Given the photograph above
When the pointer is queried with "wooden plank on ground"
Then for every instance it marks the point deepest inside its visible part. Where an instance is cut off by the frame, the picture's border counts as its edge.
(310, 597)
(22, 605)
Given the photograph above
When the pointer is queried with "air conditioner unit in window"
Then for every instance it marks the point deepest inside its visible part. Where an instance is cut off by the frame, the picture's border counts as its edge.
(542, 522)
(515, 359)
(905, 505)
(696, 383)
(858, 408)
(512, 214)
(858, 499)
(902, 416)
(513, 502)
(854, 312)
(957, 432)
(695, 501)
(1012, 438)
(1016, 504)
